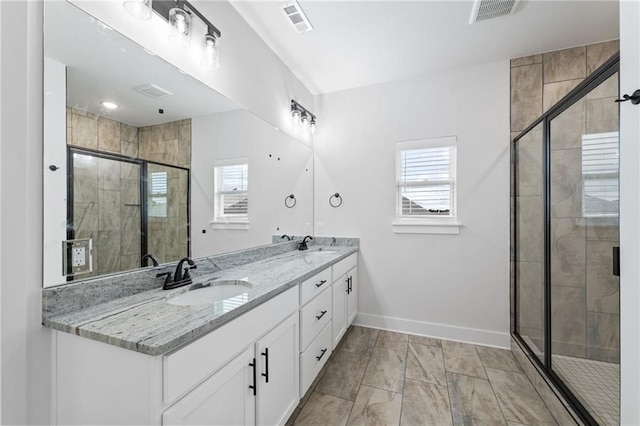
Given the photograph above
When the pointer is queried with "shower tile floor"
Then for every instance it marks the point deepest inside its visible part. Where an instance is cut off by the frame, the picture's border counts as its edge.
(381, 377)
(596, 383)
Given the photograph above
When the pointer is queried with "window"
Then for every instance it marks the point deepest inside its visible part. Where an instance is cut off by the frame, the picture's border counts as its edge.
(600, 175)
(158, 194)
(426, 186)
(231, 201)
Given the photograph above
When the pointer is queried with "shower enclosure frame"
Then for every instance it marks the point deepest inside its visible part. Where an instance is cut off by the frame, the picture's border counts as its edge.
(144, 218)
(604, 72)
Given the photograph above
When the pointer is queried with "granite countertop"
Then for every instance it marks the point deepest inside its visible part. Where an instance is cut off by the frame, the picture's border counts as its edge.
(146, 323)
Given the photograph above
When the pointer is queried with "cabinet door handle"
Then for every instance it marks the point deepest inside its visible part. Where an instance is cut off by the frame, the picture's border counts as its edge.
(320, 283)
(350, 284)
(321, 354)
(253, 364)
(321, 314)
(265, 354)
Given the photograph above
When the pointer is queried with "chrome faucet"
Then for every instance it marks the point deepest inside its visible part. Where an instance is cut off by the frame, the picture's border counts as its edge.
(303, 244)
(180, 277)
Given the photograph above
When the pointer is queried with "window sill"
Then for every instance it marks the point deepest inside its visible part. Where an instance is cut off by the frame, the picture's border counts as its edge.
(232, 225)
(448, 226)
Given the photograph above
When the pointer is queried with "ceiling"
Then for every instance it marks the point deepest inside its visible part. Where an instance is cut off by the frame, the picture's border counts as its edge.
(103, 65)
(361, 43)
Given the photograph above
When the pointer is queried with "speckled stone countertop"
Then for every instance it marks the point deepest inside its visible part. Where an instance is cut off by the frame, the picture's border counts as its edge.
(144, 321)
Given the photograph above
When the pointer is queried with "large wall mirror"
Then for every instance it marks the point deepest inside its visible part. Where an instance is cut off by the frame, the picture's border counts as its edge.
(173, 169)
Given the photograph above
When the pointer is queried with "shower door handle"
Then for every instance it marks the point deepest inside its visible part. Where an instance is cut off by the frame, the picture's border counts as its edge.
(616, 261)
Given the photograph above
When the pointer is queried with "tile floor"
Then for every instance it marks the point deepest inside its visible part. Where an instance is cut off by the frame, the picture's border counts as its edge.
(381, 377)
(596, 383)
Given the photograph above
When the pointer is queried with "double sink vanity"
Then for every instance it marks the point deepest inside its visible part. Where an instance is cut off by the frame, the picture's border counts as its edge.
(241, 344)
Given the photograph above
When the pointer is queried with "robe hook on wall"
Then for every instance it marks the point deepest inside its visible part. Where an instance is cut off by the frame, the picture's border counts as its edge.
(338, 201)
(290, 204)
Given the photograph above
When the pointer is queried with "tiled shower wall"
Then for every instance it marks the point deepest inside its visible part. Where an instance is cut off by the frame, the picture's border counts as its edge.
(584, 294)
(106, 192)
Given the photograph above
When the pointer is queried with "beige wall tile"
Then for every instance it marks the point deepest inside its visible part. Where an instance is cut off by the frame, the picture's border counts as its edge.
(85, 131)
(170, 130)
(529, 231)
(603, 288)
(599, 53)
(530, 295)
(554, 92)
(526, 60)
(109, 211)
(567, 64)
(109, 252)
(568, 252)
(108, 135)
(566, 183)
(569, 329)
(567, 128)
(603, 336)
(528, 154)
(526, 95)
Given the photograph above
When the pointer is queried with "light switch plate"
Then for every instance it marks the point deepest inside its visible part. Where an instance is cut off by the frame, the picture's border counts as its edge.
(77, 257)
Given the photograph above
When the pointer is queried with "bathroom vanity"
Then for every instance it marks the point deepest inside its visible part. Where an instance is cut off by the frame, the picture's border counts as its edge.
(247, 359)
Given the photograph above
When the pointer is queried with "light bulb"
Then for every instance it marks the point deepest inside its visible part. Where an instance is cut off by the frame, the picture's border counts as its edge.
(180, 21)
(210, 56)
(109, 105)
(140, 9)
(304, 119)
(295, 112)
(312, 125)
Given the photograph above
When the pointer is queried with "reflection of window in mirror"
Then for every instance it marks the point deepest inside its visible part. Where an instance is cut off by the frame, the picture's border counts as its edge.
(600, 175)
(158, 194)
(231, 201)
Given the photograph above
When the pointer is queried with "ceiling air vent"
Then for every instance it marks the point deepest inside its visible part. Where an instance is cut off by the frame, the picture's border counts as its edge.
(152, 91)
(489, 9)
(296, 16)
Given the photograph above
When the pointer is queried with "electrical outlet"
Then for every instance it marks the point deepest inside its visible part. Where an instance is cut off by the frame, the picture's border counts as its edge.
(307, 228)
(319, 228)
(78, 256)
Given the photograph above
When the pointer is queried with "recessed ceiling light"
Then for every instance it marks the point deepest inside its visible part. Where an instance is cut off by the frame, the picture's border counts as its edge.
(109, 105)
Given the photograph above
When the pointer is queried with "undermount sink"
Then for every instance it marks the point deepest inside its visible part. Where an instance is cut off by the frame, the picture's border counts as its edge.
(215, 291)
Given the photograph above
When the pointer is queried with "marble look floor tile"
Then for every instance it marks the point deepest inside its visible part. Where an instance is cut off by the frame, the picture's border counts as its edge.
(462, 358)
(392, 340)
(425, 404)
(501, 359)
(324, 410)
(360, 340)
(518, 399)
(426, 364)
(376, 407)
(473, 401)
(343, 376)
(386, 369)
(424, 340)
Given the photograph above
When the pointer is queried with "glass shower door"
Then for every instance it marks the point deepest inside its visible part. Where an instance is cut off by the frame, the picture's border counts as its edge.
(584, 201)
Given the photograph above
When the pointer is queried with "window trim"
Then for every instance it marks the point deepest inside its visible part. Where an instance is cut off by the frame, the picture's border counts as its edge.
(228, 222)
(434, 224)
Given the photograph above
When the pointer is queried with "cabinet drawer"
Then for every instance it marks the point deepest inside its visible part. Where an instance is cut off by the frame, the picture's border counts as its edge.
(314, 286)
(188, 366)
(314, 317)
(310, 365)
(344, 265)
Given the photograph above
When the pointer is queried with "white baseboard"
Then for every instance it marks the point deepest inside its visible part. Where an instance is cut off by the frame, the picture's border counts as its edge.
(438, 331)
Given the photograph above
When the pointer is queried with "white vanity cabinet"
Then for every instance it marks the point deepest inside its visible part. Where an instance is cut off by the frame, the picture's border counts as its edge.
(345, 295)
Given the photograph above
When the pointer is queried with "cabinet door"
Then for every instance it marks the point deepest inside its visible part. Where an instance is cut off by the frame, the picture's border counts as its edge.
(223, 399)
(352, 295)
(278, 373)
(339, 288)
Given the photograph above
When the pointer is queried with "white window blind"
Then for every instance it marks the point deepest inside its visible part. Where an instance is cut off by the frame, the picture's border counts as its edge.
(158, 194)
(426, 178)
(600, 174)
(232, 190)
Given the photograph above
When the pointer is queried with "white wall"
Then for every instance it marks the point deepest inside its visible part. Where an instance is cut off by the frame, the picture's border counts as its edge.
(26, 361)
(629, 211)
(448, 286)
(249, 74)
(278, 166)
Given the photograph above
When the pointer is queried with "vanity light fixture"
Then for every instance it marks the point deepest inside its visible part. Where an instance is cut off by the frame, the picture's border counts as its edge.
(210, 57)
(179, 14)
(109, 105)
(306, 117)
(140, 9)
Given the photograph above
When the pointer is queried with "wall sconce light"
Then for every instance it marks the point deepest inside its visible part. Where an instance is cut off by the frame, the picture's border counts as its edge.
(140, 9)
(306, 117)
(179, 14)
